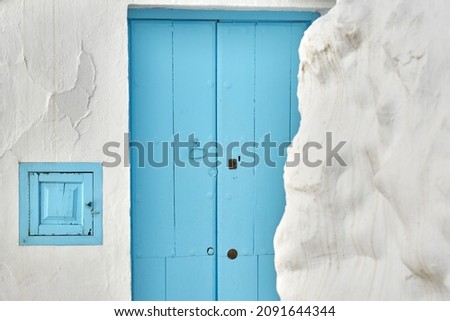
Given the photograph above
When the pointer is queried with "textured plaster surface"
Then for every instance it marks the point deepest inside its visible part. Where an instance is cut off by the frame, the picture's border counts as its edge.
(63, 94)
(378, 229)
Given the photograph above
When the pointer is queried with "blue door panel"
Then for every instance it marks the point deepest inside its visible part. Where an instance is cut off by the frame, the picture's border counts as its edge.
(149, 279)
(244, 288)
(152, 121)
(267, 279)
(194, 114)
(151, 80)
(272, 116)
(191, 278)
(235, 114)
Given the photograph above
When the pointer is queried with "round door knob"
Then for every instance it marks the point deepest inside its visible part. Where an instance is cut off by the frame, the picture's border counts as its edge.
(210, 251)
(232, 254)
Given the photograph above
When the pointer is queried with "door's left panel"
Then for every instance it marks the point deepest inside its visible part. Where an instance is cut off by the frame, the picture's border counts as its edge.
(172, 94)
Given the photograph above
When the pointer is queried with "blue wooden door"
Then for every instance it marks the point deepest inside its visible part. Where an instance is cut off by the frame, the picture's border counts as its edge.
(201, 232)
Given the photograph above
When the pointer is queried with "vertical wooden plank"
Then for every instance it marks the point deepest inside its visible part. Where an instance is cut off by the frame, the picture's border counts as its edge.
(190, 278)
(194, 114)
(243, 288)
(34, 204)
(88, 195)
(272, 114)
(236, 74)
(149, 279)
(267, 279)
(151, 121)
(297, 31)
(235, 125)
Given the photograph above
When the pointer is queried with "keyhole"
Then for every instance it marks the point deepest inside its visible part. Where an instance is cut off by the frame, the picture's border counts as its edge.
(232, 254)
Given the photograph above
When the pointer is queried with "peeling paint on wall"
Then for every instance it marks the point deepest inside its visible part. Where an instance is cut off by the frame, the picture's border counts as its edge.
(74, 103)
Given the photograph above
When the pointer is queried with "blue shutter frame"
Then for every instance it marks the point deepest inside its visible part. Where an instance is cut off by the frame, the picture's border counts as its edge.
(60, 204)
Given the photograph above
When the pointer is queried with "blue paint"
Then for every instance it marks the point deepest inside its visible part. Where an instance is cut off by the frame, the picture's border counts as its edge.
(60, 204)
(60, 199)
(171, 205)
(153, 217)
(194, 98)
(149, 279)
(228, 76)
(238, 279)
(267, 279)
(272, 114)
(235, 123)
(190, 278)
(221, 15)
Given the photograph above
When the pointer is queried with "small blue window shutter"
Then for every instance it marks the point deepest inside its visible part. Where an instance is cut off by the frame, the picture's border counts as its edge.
(63, 202)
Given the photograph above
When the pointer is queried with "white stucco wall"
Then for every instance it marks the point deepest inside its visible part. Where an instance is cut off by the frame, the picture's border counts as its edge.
(378, 229)
(63, 94)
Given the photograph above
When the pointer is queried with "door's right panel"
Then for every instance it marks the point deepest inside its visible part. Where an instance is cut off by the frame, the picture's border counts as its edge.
(257, 83)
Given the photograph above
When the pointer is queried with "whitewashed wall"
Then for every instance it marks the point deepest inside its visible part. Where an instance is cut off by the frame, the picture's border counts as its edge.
(63, 94)
(377, 74)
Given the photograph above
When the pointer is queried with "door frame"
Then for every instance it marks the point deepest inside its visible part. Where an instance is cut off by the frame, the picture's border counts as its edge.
(221, 15)
(161, 14)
